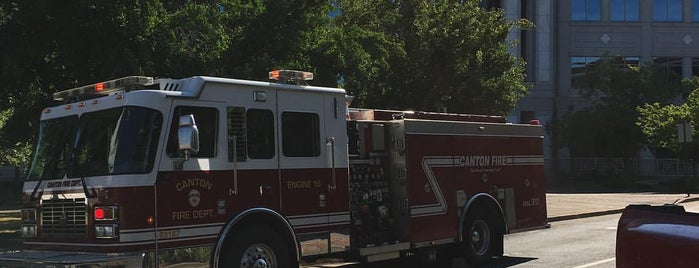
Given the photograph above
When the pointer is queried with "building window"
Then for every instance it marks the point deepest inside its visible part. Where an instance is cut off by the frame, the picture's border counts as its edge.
(585, 10)
(491, 4)
(695, 67)
(627, 61)
(624, 10)
(578, 68)
(672, 66)
(300, 134)
(667, 10)
(581, 65)
(695, 10)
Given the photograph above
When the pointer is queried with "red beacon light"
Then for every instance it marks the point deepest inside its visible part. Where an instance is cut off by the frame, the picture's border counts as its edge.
(104, 88)
(535, 122)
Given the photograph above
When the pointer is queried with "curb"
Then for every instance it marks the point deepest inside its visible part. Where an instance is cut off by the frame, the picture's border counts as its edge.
(585, 215)
(607, 212)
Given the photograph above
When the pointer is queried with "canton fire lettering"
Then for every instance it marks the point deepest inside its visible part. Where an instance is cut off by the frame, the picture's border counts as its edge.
(484, 160)
(195, 182)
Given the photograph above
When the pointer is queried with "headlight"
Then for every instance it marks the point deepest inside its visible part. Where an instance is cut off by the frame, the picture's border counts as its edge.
(28, 230)
(106, 231)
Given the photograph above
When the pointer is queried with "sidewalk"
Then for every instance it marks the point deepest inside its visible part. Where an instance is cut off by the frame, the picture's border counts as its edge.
(563, 206)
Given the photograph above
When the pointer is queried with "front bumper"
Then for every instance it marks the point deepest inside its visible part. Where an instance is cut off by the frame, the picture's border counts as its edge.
(55, 259)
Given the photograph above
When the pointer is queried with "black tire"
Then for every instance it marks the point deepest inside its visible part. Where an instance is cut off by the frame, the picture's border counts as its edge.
(482, 238)
(256, 245)
(440, 257)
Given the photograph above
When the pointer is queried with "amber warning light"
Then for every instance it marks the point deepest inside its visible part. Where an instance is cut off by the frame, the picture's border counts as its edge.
(104, 88)
(285, 75)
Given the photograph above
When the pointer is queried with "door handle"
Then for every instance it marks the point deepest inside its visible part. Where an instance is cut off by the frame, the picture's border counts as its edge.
(264, 188)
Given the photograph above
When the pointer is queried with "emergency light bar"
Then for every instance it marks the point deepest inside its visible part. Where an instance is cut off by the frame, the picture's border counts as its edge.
(104, 88)
(290, 75)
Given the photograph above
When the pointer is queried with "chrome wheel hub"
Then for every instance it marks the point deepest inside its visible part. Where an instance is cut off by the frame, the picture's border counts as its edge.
(258, 256)
(480, 237)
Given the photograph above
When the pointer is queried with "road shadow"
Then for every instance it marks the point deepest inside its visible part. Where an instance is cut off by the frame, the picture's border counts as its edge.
(460, 262)
(507, 261)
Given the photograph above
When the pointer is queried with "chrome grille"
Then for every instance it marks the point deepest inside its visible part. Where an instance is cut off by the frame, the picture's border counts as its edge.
(64, 216)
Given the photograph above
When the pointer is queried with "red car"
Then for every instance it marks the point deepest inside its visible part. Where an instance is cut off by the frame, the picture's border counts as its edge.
(657, 236)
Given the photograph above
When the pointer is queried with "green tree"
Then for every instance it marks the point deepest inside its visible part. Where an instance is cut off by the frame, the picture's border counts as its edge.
(276, 35)
(428, 55)
(390, 54)
(607, 127)
(55, 45)
(658, 122)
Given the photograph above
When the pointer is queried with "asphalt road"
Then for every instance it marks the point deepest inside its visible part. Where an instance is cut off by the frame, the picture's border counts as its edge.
(572, 243)
(587, 242)
(578, 243)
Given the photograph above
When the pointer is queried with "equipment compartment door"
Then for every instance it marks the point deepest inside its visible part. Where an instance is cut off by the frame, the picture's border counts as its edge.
(431, 163)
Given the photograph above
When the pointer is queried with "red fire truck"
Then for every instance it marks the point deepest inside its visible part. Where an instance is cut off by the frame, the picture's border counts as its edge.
(147, 172)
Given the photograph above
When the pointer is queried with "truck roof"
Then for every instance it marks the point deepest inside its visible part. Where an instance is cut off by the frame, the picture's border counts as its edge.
(185, 87)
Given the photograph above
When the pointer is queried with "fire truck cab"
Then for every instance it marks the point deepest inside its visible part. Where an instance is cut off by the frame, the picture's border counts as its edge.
(147, 172)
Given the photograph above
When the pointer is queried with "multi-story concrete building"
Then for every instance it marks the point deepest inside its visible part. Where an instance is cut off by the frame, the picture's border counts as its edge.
(572, 34)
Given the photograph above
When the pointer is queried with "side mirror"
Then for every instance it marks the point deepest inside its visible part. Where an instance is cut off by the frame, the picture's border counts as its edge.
(188, 135)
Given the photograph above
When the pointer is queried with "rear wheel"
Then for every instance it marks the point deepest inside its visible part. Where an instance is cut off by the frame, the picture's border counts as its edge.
(481, 236)
(256, 247)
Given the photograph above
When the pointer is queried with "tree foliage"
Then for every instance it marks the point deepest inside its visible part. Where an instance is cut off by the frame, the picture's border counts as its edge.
(658, 122)
(607, 127)
(390, 54)
(429, 55)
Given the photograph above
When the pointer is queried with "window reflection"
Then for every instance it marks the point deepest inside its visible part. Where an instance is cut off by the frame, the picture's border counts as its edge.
(695, 10)
(585, 10)
(672, 67)
(581, 65)
(667, 10)
(624, 10)
(578, 68)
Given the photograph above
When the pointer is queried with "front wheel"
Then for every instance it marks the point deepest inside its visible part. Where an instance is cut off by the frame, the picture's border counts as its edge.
(256, 247)
(481, 236)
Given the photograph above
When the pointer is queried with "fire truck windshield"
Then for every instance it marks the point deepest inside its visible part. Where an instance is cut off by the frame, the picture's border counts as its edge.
(121, 140)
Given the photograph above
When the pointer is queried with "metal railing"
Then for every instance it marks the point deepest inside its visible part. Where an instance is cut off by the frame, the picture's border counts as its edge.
(659, 167)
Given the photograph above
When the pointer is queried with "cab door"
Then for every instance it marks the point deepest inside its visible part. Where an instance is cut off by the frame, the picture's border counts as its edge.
(189, 190)
(304, 171)
(252, 150)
